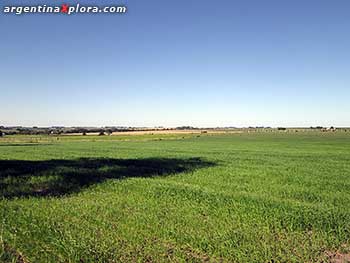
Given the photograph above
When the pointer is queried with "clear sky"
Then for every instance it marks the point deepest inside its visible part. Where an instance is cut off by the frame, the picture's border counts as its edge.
(183, 62)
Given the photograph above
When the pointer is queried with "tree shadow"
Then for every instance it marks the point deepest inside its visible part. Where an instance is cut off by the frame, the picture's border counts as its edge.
(19, 178)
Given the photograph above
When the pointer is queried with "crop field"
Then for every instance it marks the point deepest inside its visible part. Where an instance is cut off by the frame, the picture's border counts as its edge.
(248, 197)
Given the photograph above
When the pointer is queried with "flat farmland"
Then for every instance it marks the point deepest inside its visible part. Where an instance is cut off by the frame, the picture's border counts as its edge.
(245, 197)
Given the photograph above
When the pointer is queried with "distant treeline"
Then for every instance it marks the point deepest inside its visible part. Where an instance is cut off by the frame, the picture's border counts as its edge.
(109, 130)
(71, 130)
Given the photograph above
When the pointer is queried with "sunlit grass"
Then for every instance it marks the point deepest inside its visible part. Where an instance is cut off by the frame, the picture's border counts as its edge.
(275, 197)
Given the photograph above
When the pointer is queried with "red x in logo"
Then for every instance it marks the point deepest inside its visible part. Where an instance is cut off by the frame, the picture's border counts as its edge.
(64, 8)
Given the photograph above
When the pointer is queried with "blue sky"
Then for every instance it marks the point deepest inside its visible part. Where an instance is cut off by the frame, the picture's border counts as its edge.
(171, 63)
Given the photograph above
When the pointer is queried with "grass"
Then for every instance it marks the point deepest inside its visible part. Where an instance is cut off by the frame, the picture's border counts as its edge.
(259, 197)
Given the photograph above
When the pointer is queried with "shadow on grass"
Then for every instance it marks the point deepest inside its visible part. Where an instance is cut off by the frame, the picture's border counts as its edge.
(61, 177)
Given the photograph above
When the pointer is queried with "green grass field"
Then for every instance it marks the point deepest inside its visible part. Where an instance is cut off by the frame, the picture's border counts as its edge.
(258, 197)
